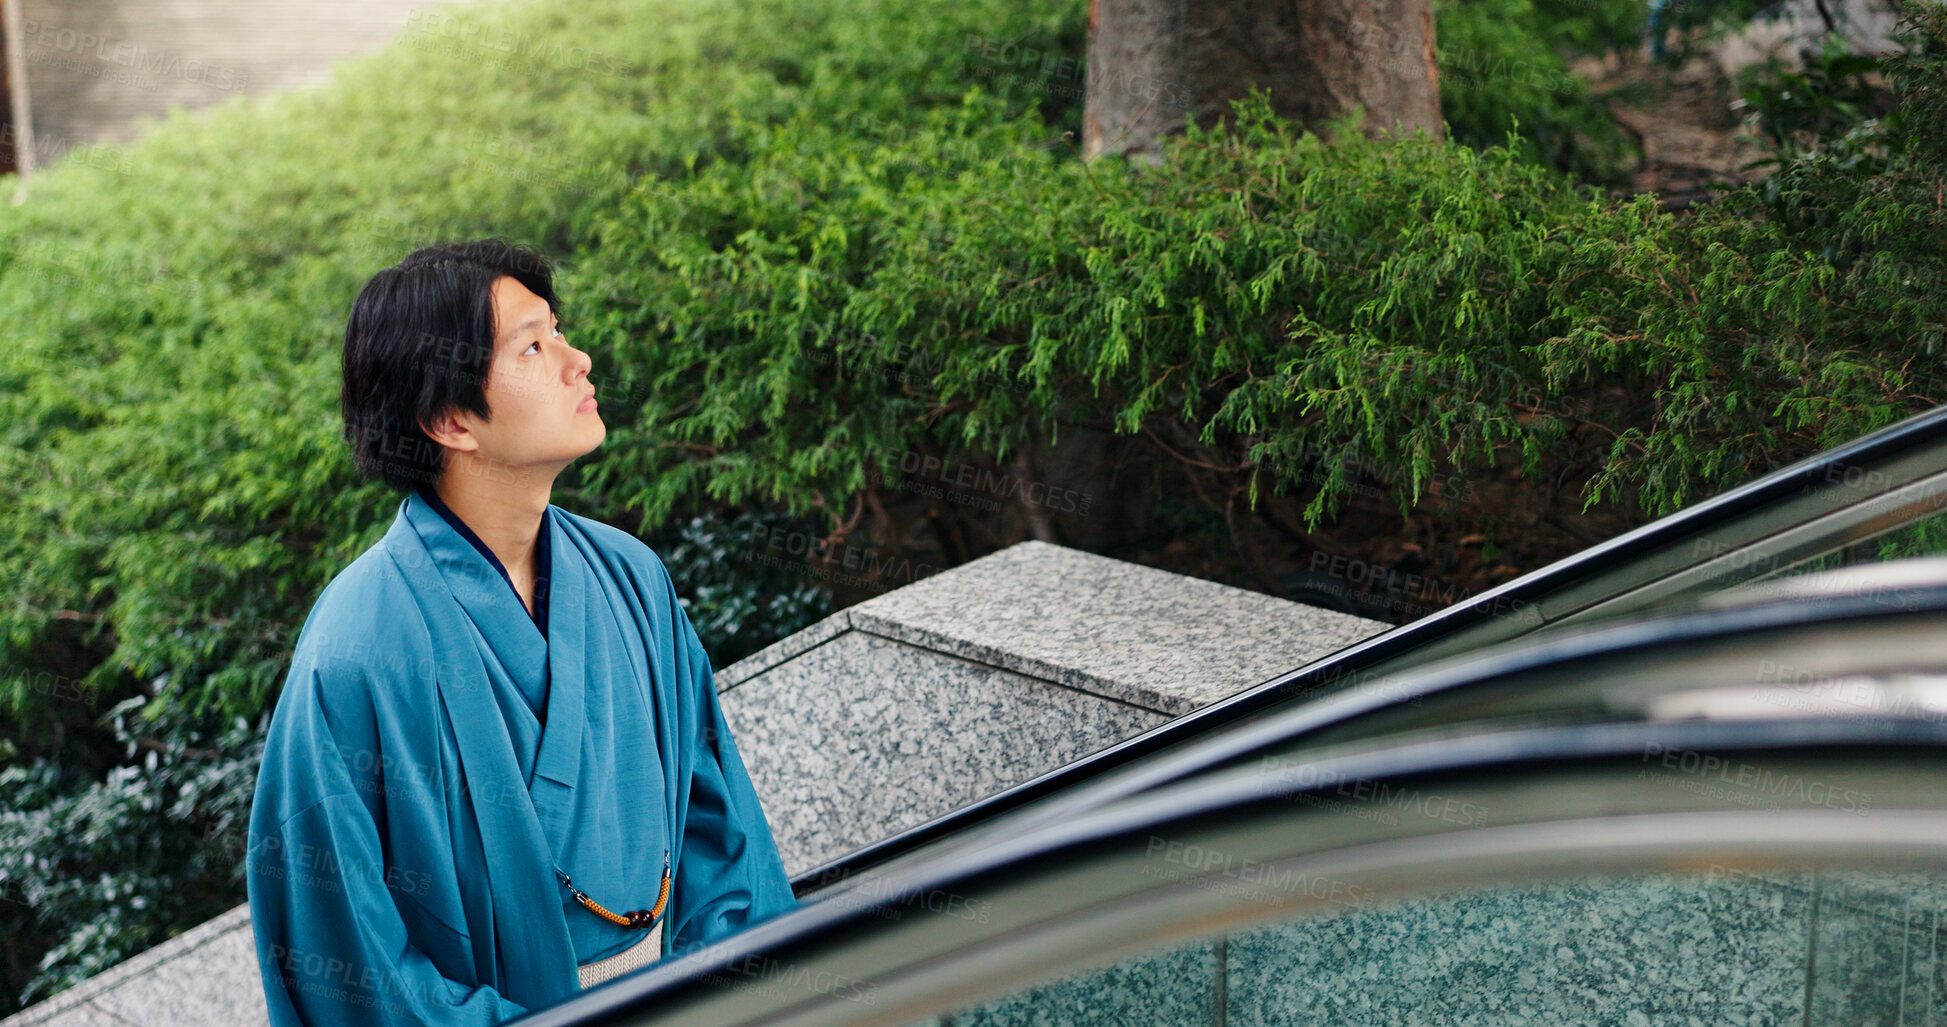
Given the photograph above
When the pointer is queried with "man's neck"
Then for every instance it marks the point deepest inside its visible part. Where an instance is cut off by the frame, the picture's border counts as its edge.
(507, 519)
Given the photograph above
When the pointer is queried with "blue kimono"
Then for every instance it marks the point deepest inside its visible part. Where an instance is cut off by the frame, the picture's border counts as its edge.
(438, 753)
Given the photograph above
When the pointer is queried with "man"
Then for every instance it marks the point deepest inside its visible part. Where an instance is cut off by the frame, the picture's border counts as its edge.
(498, 771)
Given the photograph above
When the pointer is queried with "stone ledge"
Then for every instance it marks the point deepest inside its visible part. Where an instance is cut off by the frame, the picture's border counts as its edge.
(1118, 630)
(77, 1005)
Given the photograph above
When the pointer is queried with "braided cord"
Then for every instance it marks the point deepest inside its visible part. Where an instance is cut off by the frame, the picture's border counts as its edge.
(603, 913)
(662, 895)
(640, 919)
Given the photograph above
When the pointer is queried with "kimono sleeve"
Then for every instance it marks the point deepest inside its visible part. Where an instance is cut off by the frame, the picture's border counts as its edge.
(730, 875)
(332, 944)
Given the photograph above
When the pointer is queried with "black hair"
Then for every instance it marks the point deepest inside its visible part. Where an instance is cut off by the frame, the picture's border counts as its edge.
(418, 345)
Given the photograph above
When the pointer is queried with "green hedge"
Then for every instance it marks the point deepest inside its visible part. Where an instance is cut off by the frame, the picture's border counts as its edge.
(1429, 305)
(174, 461)
(173, 470)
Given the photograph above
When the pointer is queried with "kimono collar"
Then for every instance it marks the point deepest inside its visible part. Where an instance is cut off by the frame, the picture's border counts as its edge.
(438, 563)
(543, 564)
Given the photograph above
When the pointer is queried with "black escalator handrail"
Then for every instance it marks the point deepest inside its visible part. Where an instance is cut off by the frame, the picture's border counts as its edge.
(1919, 431)
(1447, 766)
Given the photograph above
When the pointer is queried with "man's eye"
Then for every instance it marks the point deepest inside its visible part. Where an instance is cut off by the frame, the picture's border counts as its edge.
(532, 345)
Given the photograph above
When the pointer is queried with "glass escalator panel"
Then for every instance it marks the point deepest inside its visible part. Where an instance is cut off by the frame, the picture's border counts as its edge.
(1717, 943)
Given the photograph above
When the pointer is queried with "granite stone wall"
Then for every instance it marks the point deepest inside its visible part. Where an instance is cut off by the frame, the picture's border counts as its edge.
(914, 703)
(1836, 948)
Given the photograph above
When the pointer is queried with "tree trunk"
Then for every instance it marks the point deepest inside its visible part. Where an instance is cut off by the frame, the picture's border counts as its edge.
(1151, 62)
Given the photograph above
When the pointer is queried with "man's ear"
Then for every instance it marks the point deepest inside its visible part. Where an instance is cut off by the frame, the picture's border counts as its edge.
(443, 429)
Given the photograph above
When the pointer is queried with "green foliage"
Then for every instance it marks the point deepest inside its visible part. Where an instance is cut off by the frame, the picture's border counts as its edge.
(168, 428)
(1865, 198)
(1685, 29)
(1493, 81)
(1429, 305)
(737, 601)
(1580, 27)
(1926, 537)
(1794, 110)
(119, 864)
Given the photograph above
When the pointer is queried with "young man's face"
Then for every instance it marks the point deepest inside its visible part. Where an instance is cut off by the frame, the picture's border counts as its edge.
(536, 389)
